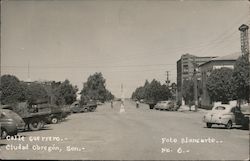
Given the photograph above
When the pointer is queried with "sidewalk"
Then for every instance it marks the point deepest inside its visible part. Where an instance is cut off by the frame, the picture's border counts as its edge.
(185, 108)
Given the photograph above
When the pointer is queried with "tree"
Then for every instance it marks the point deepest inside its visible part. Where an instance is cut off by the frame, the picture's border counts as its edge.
(240, 78)
(109, 96)
(219, 85)
(11, 89)
(35, 93)
(95, 89)
(65, 93)
(152, 91)
(188, 92)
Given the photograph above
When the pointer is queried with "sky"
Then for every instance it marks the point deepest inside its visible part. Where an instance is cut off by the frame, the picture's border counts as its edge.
(128, 41)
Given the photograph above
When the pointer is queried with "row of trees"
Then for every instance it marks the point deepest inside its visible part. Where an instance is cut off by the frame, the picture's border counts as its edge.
(13, 90)
(152, 91)
(60, 93)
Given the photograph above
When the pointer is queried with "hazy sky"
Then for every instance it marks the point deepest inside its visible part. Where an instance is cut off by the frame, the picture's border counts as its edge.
(128, 41)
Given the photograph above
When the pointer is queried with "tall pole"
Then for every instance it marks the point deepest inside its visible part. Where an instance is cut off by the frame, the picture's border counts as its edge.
(195, 85)
(245, 46)
(167, 81)
(0, 60)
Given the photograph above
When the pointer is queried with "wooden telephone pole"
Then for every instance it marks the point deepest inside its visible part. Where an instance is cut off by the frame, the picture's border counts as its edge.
(195, 85)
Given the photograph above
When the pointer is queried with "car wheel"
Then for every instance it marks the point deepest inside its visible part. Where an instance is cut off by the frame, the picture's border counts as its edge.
(4, 134)
(42, 124)
(35, 125)
(54, 120)
(209, 125)
(229, 124)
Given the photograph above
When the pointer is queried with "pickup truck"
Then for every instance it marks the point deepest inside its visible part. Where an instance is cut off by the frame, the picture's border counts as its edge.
(90, 106)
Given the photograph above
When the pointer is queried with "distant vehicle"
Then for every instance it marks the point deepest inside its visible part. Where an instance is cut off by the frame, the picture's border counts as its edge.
(90, 106)
(165, 105)
(10, 123)
(227, 115)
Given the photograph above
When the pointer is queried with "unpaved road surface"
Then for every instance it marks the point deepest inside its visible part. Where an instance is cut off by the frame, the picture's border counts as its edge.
(135, 134)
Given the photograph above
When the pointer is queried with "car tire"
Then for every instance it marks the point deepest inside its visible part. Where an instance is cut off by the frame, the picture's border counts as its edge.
(4, 133)
(35, 125)
(209, 125)
(229, 124)
(54, 120)
(42, 124)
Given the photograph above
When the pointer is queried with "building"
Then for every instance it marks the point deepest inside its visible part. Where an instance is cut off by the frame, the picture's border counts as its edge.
(206, 68)
(185, 70)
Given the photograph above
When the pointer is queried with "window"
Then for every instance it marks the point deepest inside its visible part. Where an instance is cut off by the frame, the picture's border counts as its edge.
(220, 108)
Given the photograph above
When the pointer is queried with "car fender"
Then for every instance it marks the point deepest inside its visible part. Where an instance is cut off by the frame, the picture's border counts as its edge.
(228, 117)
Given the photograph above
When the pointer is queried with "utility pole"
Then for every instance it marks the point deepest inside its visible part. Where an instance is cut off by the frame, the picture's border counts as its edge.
(167, 81)
(195, 85)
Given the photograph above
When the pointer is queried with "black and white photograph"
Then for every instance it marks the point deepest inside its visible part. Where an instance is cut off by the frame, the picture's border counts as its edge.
(124, 80)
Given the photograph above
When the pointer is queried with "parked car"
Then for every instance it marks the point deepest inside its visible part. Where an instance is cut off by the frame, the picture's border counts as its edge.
(57, 113)
(89, 106)
(165, 105)
(10, 123)
(227, 115)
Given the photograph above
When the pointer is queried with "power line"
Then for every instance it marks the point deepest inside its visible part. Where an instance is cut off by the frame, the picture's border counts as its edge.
(141, 65)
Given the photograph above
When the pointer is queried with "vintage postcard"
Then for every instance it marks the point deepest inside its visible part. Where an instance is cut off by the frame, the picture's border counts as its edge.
(124, 80)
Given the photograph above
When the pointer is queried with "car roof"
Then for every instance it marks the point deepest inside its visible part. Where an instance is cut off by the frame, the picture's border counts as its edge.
(224, 105)
(164, 101)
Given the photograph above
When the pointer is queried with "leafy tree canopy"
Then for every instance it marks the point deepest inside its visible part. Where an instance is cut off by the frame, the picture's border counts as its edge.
(240, 78)
(219, 85)
(11, 89)
(65, 93)
(152, 91)
(95, 89)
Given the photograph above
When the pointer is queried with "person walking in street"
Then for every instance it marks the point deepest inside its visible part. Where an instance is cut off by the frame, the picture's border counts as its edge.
(137, 104)
(111, 104)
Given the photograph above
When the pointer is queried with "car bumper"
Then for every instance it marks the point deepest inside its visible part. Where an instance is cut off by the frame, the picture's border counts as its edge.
(216, 121)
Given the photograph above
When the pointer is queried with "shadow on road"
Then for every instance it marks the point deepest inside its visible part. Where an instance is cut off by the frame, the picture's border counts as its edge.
(224, 128)
(45, 128)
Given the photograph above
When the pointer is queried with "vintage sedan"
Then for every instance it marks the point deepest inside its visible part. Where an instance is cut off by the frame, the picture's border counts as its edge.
(164, 105)
(224, 114)
(10, 123)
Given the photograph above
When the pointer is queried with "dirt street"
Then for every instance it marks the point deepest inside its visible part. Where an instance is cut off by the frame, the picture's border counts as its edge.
(134, 134)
